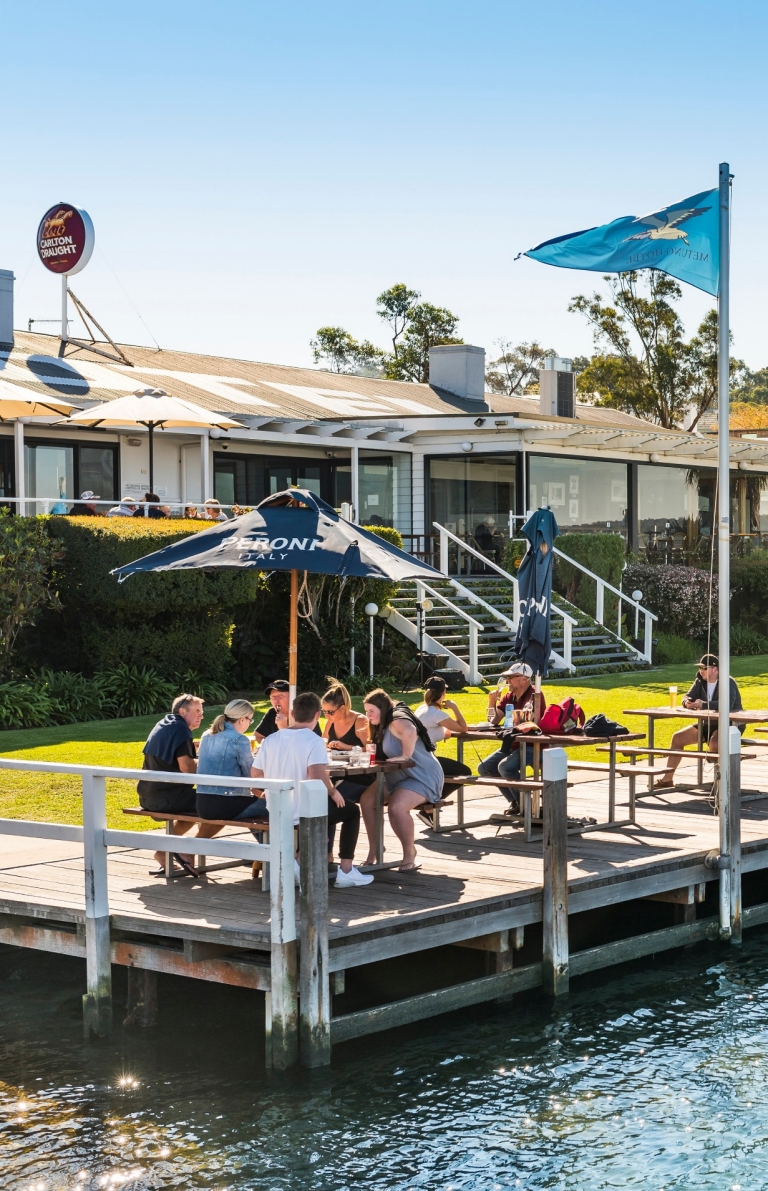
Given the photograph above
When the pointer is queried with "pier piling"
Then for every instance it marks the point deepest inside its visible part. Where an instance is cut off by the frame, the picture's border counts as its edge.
(314, 982)
(555, 888)
(97, 1002)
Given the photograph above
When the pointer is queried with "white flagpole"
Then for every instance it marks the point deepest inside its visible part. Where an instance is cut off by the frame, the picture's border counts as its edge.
(724, 554)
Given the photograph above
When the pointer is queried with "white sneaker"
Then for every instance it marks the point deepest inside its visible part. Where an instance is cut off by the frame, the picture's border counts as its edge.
(353, 878)
(296, 873)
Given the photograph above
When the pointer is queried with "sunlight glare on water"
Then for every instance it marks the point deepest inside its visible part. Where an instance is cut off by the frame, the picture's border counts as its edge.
(655, 1079)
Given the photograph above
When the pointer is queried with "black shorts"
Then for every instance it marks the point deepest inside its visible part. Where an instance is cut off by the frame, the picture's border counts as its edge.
(178, 800)
(223, 806)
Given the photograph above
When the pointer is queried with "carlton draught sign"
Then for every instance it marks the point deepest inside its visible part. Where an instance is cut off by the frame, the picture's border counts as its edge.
(65, 239)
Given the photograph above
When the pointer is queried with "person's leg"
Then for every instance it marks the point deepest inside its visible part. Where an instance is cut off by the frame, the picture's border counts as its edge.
(401, 803)
(453, 768)
(713, 742)
(509, 768)
(257, 809)
(489, 767)
(681, 738)
(349, 817)
(368, 810)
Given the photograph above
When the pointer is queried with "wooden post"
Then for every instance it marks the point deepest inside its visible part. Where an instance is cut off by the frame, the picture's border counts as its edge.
(734, 848)
(282, 1033)
(142, 998)
(314, 985)
(555, 890)
(293, 643)
(97, 1002)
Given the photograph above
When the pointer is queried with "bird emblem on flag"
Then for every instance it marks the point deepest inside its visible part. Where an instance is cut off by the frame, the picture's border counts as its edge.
(665, 225)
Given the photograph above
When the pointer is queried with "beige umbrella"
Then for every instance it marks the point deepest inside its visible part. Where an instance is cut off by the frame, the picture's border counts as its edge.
(153, 408)
(16, 403)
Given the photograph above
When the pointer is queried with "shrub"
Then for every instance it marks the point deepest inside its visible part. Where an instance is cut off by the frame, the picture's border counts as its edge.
(26, 705)
(678, 595)
(27, 559)
(749, 592)
(676, 651)
(76, 699)
(137, 690)
(746, 641)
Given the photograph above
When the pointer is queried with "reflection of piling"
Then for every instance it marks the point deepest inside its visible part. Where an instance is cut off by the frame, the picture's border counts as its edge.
(314, 984)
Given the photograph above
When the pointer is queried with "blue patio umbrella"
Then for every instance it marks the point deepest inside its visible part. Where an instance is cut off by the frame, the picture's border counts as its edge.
(533, 643)
(289, 531)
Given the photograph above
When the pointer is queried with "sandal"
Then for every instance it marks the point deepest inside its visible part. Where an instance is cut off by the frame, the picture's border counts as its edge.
(409, 866)
(664, 784)
(189, 869)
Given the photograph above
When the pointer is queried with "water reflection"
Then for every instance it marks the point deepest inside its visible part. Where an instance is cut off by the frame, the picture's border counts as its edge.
(654, 1080)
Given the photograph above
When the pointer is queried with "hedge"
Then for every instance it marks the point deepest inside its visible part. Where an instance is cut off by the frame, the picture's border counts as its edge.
(603, 553)
(680, 597)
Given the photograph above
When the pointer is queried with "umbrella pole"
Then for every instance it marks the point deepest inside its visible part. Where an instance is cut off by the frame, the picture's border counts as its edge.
(293, 641)
(151, 427)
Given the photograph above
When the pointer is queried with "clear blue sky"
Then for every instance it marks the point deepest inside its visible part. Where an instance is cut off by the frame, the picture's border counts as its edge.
(257, 170)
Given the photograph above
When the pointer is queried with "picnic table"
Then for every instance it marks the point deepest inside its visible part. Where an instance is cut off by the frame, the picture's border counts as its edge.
(538, 741)
(341, 768)
(690, 713)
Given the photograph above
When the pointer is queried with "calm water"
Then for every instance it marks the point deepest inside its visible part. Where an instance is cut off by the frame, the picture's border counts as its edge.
(654, 1079)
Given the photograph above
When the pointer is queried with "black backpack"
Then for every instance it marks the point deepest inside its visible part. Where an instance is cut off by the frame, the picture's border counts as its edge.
(403, 712)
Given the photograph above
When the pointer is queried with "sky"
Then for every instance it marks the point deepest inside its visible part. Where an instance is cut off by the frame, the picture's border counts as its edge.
(255, 171)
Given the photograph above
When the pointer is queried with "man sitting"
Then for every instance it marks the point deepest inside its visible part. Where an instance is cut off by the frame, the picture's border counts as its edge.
(171, 749)
(520, 694)
(703, 696)
(277, 716)
(299, 755)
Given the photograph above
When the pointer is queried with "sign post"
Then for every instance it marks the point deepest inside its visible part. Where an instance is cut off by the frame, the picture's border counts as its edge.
(65, 240)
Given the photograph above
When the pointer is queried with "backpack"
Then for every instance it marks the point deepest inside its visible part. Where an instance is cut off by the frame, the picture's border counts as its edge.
(562, 718)
(403, 712)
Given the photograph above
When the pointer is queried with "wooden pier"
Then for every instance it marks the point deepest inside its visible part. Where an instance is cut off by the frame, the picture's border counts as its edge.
(542, 912)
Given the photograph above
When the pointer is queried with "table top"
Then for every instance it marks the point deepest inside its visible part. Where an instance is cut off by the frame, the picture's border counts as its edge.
(344, 768)
(691, 713)
(561, 740)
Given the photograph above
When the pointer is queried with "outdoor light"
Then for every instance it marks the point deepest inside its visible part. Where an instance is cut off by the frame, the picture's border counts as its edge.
(426, 605)
(371, 610)
(466, 446)
(637, 595)
(479, 421)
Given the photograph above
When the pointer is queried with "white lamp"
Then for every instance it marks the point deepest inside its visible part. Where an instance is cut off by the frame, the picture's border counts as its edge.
(371, 610)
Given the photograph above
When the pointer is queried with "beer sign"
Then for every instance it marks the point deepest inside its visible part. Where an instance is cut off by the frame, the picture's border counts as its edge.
(65, 239)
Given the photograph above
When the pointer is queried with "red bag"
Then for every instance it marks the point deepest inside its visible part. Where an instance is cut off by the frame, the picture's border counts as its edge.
(562, 718)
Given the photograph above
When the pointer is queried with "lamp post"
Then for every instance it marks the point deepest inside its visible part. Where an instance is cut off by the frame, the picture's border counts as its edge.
(637, 596)
(424, 606)
(371, 610)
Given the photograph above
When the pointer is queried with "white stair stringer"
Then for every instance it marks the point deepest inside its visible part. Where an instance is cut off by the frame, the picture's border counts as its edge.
(408, 629)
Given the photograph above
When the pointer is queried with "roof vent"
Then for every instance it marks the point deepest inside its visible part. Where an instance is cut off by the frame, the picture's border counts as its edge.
(458, 368)
(6, 307)
(557, 388)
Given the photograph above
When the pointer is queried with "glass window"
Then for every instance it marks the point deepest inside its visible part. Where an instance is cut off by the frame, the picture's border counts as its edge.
(49, 472)
(663, 499)
(384, 490)
(248, 479)
(97, 471)
(586, 496)
(6, 468)
(473, 495)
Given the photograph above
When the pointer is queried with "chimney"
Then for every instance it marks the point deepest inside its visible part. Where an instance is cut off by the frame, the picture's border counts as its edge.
(557, 388)
(459, 369)
(6, 307)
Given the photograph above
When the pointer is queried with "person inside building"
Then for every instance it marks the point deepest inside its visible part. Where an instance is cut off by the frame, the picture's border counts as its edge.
(278, 693)
(126, 508)
(170, 748)
(703, 696)
(434, 714)
(400, 736)
(505, 762)
(298, 754)
(490, 539)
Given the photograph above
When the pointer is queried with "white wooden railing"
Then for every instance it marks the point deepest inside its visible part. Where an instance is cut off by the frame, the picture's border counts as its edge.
(445, 535)
(97, 838)
(649, 617)
(474, 677)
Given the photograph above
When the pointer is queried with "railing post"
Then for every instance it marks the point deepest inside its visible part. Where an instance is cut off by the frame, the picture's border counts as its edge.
(314, 983)
(516, 599)
(599, 602)
(443, 550)
(734, 833)
(474, 670)
(648, 642)
(568, 642)
(97, 1002)
(282, 1033)
(555, 884)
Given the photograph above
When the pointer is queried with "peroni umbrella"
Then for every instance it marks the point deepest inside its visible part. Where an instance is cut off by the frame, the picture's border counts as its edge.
(533, 643)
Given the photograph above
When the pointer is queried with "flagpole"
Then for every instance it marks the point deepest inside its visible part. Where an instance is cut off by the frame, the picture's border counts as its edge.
(724, 557)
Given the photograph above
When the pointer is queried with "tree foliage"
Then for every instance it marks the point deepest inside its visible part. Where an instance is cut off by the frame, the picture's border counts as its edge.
(343, 352)
(753, 388)
(27, 560)
(516, 370)
(646, 366)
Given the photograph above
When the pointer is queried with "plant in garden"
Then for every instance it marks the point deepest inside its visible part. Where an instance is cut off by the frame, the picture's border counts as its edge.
(137, 690)
(680, 597)
(27, 559)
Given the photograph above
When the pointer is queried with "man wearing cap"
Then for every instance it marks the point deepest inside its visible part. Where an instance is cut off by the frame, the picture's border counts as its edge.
(277, 716)
(703, 696)
(126, 508)
(505, 762)
(85, 510)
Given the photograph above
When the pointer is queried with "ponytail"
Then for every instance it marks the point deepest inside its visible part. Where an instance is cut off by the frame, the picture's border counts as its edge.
(218, 724)
(234, 711)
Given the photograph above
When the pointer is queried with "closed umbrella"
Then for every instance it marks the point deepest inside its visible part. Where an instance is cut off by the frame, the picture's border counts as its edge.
(533, 643)
(154, 409)
(289, 531)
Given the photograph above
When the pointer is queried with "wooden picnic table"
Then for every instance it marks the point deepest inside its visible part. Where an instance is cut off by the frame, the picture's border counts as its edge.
(340, 768)
(539, 741)
(691, 713)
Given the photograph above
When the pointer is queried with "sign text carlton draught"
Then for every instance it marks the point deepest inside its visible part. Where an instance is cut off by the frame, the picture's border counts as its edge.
(65, 239)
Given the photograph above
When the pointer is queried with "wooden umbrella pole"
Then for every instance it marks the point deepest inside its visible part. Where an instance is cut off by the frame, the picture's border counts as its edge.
(293, 641)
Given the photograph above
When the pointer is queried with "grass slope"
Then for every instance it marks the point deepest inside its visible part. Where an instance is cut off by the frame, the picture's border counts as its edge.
(56, 797)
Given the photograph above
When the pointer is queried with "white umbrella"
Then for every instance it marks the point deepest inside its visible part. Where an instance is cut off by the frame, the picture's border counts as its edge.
(151, 408)
(16, 403)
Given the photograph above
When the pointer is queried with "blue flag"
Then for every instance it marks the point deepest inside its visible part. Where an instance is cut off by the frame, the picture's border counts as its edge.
(682, 240)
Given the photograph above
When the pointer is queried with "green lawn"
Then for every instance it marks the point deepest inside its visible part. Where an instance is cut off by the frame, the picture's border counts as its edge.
(119, 742)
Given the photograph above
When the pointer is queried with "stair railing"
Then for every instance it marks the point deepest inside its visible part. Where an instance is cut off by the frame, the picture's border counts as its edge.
(474, 676)
(446, 535)
(602, 584)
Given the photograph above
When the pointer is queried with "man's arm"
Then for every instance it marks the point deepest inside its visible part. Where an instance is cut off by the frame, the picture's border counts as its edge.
(319, 773)
(187, 764)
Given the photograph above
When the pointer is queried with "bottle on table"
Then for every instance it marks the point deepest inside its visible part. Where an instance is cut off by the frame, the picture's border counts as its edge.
(370, 749)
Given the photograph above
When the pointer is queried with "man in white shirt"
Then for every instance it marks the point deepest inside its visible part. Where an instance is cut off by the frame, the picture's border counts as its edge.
(298, 755)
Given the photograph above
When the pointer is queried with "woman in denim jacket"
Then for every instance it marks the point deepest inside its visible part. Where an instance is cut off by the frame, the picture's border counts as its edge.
(225, 751)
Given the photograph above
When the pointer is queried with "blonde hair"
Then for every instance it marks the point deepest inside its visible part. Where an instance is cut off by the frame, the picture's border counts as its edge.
(337, 694)
(235, 710)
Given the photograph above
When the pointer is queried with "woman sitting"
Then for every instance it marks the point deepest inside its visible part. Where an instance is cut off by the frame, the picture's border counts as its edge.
(433, 713)
(225, 751)
(399, 736)
(344, 730)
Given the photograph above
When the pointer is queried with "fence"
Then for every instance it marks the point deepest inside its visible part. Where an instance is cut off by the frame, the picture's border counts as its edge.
(282, 1001)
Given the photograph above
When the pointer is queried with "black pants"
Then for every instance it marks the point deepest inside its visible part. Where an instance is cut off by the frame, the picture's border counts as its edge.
(223, 806)
(453, 768)
(349, 817)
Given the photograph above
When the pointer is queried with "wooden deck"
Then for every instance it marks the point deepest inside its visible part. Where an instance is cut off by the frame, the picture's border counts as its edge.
(471, 882)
